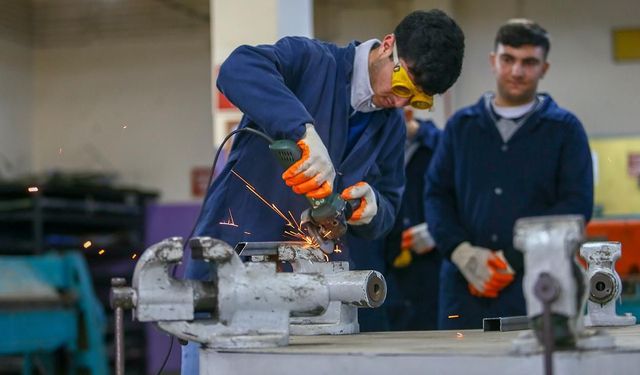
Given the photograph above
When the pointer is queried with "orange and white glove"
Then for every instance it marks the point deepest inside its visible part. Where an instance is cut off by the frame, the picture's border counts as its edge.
(313, 174)
(487, 272)
(368, 206)
(418, 239)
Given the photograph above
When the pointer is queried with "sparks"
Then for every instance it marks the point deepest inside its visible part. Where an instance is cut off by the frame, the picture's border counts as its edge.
(337, 249)
(87, 244)
(455, 316)
(101, 251)
(249, 233)
(60, 151)
(32, 189)
(230, 221)
(292, 223)
(124, 126)
(134, 256)
(459, 335)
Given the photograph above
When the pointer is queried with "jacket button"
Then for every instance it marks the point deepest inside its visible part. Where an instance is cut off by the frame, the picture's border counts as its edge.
(504, 148)
(498, 191)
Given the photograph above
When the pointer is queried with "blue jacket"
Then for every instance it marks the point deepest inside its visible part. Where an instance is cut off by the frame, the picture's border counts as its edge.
(479, 185)
(412, 209)
(279, 88)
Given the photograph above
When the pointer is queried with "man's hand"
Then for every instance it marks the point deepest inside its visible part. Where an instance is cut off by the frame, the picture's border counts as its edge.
(368, 205)
(487, 272)
(418, 239)
(313, 174)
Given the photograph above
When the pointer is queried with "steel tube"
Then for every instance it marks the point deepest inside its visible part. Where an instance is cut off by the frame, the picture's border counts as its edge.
(119, 338)
(510, 323)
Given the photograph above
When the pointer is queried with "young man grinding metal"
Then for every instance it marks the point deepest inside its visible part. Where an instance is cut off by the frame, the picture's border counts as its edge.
(338, 104)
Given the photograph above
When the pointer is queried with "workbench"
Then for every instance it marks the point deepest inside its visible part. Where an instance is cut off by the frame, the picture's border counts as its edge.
(465, 352)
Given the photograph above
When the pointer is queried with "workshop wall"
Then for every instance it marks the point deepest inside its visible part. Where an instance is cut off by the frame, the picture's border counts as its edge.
(15, 88)
(15, 107)
(617, 174)
(583, 76)
(141, 108)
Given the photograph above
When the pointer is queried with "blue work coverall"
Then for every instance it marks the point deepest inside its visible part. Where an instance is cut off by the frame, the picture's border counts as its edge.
(413, 298)
(479, 186)
(280, 88)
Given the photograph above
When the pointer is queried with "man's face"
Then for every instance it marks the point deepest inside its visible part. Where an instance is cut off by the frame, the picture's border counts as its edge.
(517, 72)
(380, 72)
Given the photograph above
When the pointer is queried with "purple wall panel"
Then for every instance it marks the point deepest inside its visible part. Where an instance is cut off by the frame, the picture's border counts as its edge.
(163, 221)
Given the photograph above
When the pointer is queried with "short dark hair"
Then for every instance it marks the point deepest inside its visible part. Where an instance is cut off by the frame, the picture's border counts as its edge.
(518, 32)
(432, 44)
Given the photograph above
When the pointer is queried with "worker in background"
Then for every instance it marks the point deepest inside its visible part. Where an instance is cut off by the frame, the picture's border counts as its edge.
(338, 104)
(513, 154)
(415, 264)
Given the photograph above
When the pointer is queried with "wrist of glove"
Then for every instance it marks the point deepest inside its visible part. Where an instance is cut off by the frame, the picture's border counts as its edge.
(368, 207)
(418, 239)
(314, 173)
(487, 272)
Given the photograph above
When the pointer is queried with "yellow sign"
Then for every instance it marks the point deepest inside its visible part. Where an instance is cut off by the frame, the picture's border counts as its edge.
(617, 190)
(626, 44)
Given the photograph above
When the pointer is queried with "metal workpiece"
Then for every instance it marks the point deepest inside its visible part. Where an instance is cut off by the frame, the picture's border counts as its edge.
(605, 285)
(266, 247)
(285, 251)
(505, 324)
(293, 254)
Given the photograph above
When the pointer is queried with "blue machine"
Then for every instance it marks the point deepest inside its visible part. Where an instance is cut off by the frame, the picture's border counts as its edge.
(50, 318)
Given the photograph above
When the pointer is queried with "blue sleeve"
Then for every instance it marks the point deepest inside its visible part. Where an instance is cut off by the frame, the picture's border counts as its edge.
(257, 80)
(428, 134)
(441, 208)
(575, 175)
(390, 186)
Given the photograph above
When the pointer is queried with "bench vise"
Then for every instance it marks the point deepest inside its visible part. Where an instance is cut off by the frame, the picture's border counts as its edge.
(604, 283)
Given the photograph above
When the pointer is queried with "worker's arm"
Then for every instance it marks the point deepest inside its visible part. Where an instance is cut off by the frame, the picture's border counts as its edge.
(575, 174)
(441, 208)
(386, 178)
(257, 80)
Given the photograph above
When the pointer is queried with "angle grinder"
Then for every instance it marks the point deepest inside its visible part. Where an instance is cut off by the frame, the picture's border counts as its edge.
(326, 219)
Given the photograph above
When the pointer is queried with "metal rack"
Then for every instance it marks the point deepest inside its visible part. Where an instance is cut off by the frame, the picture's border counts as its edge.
(39, 218)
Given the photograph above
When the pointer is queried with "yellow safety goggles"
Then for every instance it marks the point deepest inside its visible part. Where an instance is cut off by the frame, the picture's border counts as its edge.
(402, 86)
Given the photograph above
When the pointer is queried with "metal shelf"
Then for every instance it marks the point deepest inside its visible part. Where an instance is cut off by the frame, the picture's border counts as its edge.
(60, 216)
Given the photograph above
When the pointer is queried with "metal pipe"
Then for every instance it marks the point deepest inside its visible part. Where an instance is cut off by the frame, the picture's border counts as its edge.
(118, 282)
(510, 323)
(357, 288)
(547, 290)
